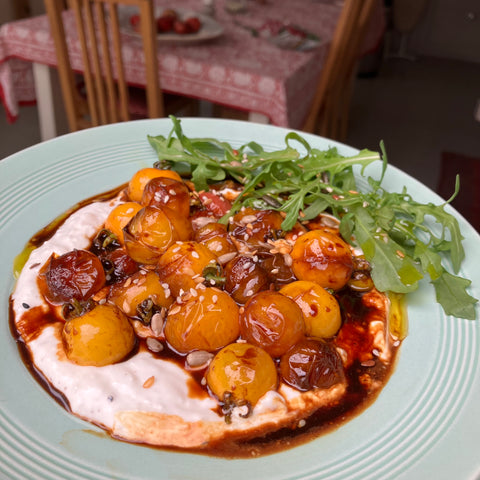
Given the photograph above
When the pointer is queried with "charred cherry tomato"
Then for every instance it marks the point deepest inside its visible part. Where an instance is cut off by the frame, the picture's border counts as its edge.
(244, 277)
(119, 217)
(76, 275)
(311, 364)
(320, 308)
(148, 235)
(118, 265)
(256, 226)
(167, 192)
(215, 237)
(141, 286)
(278, 269)
(142, 177)
(322, 257)
(182, 264)
(207, 321)
(100, 337)
(272, 321)
(245, 371)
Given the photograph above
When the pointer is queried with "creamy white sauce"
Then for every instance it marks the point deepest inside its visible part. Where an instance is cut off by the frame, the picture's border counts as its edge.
(98, 393)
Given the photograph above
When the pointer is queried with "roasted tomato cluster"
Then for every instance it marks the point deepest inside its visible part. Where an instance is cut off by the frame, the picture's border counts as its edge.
(242, 301)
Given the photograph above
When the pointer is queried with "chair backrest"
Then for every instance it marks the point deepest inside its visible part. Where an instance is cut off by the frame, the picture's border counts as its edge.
(328, 115)
(99, 34)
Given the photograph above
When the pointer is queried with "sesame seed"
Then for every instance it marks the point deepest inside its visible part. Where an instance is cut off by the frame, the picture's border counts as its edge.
(288, 260)
(199, 358)
(195, 255)
(248, 219)
(214, 298)
(154, 345)
(368, 363)
(149, 382)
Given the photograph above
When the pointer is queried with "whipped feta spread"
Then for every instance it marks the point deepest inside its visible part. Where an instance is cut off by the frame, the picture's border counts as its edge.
(97, 393)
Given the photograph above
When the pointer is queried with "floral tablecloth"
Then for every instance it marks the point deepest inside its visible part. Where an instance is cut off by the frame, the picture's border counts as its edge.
(238, 69)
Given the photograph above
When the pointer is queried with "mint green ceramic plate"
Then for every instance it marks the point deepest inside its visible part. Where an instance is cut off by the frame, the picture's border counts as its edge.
(425, 423)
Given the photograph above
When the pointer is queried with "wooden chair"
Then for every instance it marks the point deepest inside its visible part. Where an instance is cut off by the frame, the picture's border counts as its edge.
(107, 93)
(328, 115)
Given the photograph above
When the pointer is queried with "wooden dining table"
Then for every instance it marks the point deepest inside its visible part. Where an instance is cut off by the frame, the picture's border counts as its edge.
(243, 68)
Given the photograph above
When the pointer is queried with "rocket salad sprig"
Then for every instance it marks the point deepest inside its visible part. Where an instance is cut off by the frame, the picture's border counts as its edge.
(396, 233)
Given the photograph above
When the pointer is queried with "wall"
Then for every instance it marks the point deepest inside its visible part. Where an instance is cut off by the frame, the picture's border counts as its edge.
(448, 29)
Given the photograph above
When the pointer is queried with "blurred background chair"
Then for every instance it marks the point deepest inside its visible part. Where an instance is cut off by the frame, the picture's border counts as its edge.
(329, 112)
(106, 98)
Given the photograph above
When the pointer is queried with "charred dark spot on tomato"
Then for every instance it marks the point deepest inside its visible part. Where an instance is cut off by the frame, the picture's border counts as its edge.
(104, 242)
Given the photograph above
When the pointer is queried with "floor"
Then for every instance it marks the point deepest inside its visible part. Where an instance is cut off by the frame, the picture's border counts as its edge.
(419, 108)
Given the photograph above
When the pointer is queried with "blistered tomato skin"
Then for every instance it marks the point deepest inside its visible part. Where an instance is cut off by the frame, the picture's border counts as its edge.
(311, 364)
(322, 257)
(207, 321)
(273, 322)
(76, 275)
(256, 226)
(118, 265)
(278, 270)
(119, 218)
(167, 192)
(243, 370)
(182, 263)
(216, 238)
(100, 337)
(182, 226)
(244, 277)
(139, 287)
(148, 235)
(140, 179)
(320, 308)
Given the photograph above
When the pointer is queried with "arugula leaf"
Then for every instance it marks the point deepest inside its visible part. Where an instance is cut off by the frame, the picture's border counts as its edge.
(460, 303)
(403, 240)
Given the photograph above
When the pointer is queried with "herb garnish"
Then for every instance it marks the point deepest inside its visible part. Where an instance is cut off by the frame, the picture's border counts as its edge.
(389, 227)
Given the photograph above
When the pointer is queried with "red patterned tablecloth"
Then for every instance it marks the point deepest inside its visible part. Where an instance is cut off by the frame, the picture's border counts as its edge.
(237, 69)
